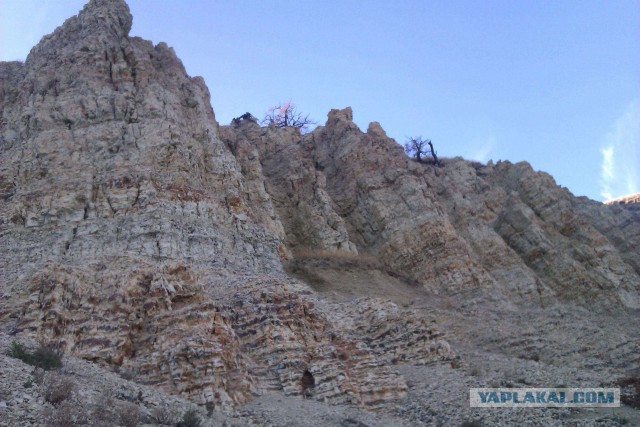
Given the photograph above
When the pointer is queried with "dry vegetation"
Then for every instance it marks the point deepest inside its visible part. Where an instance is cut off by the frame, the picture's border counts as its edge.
(305, 254)
(43, 357)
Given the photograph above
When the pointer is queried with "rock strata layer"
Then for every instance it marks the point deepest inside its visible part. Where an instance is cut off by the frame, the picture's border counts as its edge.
(138, 234)
(134, 237)
(501, 229)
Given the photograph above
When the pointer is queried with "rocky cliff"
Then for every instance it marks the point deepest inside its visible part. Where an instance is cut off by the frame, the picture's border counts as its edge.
(498, 229)
(227, 264)
(630, 202)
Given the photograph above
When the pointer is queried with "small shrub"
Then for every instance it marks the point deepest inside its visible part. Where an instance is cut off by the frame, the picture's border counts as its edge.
(68, 414)
(630, 393)
(623, 421)
(164, 416)
(530, 356)
(38, 376)
(104, 410)
(210, 408)
(129, 415)
(190, 419)
(17, 350)
(58, 388)
(472, 423)
(285, 114)
(43, 357)
(46, 358)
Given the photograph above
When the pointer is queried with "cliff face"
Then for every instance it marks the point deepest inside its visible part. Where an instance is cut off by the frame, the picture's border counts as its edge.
(131, 235)
(100, 128)
(137, 233)
(502, 229)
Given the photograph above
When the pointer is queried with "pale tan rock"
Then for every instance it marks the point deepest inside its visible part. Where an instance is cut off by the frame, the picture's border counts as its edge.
(138, 234)
(503, 230)
(295, 184)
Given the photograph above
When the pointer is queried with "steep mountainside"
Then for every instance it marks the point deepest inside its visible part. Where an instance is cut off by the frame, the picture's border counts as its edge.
(501, 229)
(237, 265)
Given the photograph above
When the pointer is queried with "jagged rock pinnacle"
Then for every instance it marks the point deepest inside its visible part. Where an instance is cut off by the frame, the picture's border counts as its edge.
(375, 129)
(346, 114)
(101, 21)
(112, 14)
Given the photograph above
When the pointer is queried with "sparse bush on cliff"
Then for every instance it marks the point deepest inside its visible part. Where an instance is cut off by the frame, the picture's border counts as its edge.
(43, 357)
(285, 114)
(164, 415)
(67, 414)
(630, 393)
(57, 388)
(105, 410)
(246, 116)
(17, 350)
(129, 415)
(190, 419)
(417, 147)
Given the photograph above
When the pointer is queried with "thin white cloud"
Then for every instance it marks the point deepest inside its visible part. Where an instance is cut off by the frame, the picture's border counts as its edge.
(607, 172)
(621, 155)
(481, 148)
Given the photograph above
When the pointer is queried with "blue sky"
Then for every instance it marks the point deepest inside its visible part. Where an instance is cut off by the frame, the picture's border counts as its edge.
(556, 83)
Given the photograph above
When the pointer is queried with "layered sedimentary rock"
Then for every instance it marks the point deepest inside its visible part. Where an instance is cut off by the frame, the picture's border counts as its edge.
(137, 233)
(503, 230)
(296, 347)
(292, 181)
(133, 236)
(396, 335)
(152, 321)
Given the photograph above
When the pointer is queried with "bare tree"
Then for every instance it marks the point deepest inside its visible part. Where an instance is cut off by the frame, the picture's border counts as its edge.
(417, 147)
(433, 154)
(285, 114)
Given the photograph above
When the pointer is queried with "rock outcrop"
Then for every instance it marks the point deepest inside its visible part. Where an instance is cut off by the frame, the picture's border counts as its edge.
(502, 230)
(630, 202)
(129, 229)
(138, 234)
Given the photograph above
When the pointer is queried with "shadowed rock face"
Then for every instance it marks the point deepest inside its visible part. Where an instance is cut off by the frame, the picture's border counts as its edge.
(137, 233)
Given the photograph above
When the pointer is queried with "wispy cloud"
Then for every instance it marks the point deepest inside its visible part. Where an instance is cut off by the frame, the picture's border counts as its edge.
(621, 155)
(480, 148)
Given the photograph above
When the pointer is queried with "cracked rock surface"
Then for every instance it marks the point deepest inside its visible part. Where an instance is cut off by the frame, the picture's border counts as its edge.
(264, 277)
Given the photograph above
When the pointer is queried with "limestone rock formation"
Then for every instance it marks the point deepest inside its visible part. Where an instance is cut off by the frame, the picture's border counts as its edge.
(231, 266)
(122, 208)
(501, 229)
